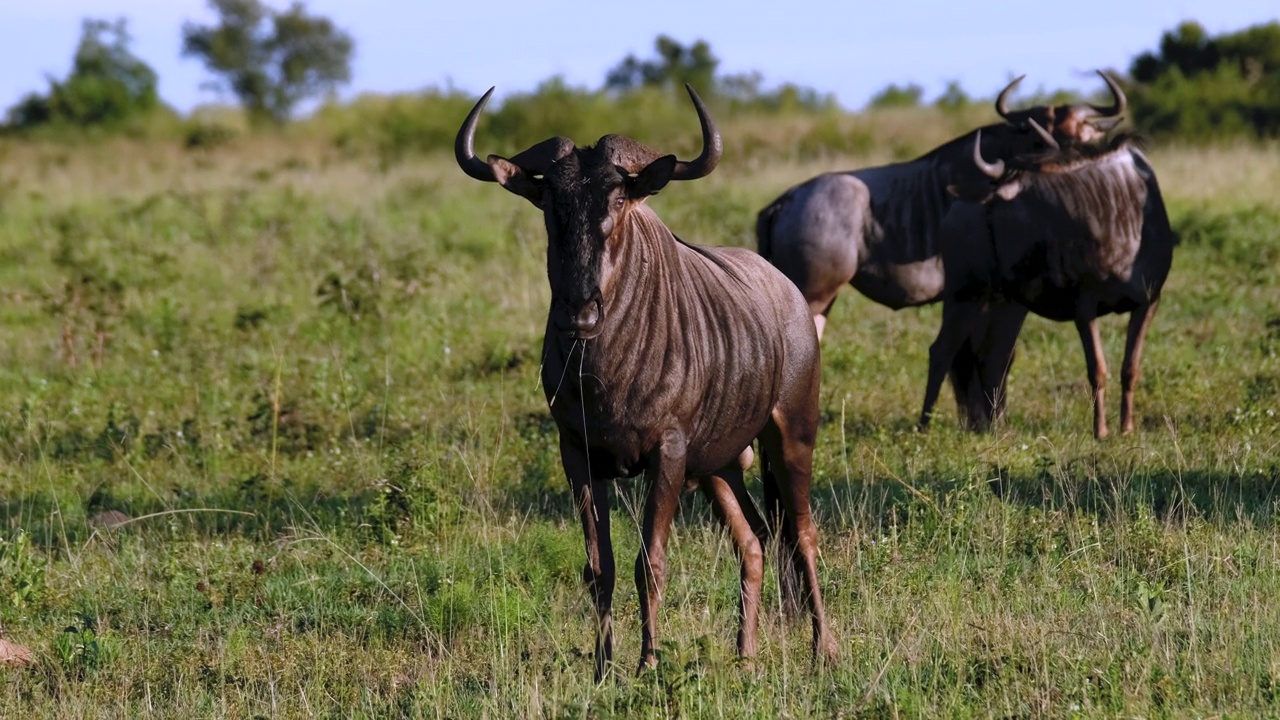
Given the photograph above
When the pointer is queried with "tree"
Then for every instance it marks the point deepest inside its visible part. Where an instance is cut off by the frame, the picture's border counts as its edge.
(675, 65)
(270, 60)
(107, 84)
(1199, 85)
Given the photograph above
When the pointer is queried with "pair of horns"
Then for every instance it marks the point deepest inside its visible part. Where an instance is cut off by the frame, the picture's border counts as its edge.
(1118, 107)
(631, 155)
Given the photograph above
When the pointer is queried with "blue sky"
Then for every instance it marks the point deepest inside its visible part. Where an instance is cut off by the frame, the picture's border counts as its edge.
(850, 48)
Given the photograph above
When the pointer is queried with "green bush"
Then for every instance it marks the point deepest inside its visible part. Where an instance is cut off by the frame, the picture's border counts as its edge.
(1204, 88)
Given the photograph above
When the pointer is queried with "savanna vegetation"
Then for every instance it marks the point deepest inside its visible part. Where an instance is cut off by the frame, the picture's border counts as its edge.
(272, 443)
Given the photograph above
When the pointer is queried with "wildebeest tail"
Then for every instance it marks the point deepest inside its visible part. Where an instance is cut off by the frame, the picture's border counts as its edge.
(789, 561)
(764, 225)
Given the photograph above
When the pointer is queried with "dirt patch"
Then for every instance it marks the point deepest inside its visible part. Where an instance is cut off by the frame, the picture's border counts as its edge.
(14, 654)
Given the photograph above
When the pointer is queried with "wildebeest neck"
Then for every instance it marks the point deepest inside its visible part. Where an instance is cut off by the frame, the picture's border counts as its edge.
(635, 275)
(667, 345)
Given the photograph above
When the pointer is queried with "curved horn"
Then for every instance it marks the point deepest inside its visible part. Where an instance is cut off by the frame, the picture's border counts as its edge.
(994, 170)
(712, 147)
(1044, 134)
(1002, 100)
(633, 156)
(1121, 101)
(464, 145)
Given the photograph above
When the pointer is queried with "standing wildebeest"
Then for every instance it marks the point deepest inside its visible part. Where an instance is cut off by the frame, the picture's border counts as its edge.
(877, 229)
(1072, 235)
(671, 359)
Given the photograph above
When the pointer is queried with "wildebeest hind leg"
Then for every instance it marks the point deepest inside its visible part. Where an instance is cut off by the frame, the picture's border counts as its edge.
(789, 451)
(731, 503)
(1131, 369)
(1096, 367)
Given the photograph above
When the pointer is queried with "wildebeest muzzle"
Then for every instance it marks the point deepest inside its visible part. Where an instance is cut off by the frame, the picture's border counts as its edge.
(579, 320)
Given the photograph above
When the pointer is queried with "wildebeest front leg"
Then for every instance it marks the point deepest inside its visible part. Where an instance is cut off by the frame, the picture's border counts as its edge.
(1004, 322)
(958, 319)
(666, 482)
(981, 366)
(592, 500)
(1131, 369)
(1096, 367)
(730, 502)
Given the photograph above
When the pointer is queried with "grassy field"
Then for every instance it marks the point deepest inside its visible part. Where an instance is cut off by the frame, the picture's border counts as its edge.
(306, 381)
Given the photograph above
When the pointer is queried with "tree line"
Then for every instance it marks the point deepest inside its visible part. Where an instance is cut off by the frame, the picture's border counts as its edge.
(1193, 84)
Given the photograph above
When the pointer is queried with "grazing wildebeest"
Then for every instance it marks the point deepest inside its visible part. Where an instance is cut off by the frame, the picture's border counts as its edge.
(877, 229)
(1071, 235)
(671, 359)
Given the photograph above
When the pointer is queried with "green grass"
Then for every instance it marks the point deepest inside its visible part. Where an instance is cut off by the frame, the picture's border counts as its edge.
(311, 379)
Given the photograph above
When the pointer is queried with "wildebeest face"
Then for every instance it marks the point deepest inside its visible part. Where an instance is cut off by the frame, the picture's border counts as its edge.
(585, 199)
(1070, 125)
(585, 195)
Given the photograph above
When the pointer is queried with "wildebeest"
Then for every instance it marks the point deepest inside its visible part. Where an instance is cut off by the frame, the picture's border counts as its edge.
(877, 229)
(1071, 235)
(667, 358)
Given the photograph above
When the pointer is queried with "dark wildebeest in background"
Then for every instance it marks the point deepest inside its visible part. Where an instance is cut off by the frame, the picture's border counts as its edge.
(671, 359)
(877, 229)
(1071, 235)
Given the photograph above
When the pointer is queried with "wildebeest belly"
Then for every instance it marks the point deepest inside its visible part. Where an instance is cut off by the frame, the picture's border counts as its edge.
(620, 420)
(1062, 286)
(899, 285)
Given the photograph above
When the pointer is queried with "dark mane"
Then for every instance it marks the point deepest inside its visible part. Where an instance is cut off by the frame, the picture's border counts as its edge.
(1054, 160)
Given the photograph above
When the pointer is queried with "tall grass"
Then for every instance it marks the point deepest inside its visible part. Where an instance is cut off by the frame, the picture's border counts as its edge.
(309, 377)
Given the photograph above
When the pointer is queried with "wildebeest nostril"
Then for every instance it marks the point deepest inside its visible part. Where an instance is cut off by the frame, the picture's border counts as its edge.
(588, 316)
(580, 317)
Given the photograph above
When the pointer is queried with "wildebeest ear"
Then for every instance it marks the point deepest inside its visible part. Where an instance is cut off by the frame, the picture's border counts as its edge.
(514, 178)
(652, 178)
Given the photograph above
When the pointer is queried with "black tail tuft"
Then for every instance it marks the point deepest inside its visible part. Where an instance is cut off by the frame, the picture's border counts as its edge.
(764, 226)
(786, 553)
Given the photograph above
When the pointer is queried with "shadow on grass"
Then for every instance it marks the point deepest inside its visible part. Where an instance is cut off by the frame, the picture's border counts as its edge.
(1215, 497)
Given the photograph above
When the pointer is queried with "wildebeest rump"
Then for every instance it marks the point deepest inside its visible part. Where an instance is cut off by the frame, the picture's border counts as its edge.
(667, 358)
(1071, 236)
(877, 229)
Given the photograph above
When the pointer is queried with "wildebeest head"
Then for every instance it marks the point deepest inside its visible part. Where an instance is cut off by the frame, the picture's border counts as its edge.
(986, 181)
(1070, 124)
(585, 195)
